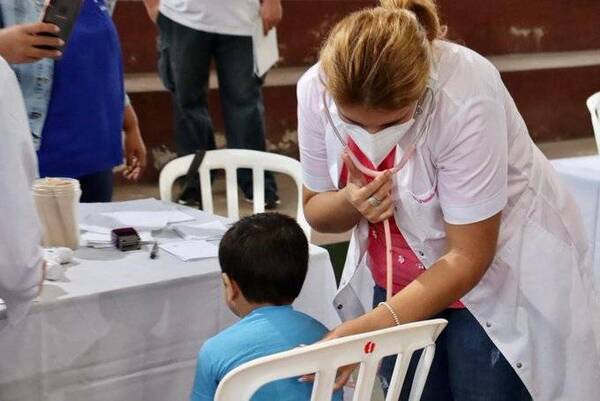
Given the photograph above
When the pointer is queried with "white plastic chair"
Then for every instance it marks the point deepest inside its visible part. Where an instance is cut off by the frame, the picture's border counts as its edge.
(325, 358)
(231, 160)
(593, 104)
(170, 173)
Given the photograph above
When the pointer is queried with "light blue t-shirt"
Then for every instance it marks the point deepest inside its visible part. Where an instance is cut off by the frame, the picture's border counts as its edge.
(265, 331)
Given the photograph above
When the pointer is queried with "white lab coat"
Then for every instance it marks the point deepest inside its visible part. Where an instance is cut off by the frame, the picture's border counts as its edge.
(20, 234)
(535, 301)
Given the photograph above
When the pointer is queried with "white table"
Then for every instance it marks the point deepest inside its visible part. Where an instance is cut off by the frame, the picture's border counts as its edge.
(128, 328)
(582, 177)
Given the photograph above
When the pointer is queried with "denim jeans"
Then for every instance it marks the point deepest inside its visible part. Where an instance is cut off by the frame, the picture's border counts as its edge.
(467, 366)
(185, 55)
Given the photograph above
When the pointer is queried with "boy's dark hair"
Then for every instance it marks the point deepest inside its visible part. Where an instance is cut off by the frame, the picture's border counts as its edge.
(267, 256)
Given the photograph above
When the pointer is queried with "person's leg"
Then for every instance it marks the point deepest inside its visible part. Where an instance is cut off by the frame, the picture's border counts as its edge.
(184, 61)
(437, 387)
(96, 187)
(478, 370)
(241, 101)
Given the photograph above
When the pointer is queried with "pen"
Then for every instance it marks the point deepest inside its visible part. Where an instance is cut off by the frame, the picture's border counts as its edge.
(154, 251)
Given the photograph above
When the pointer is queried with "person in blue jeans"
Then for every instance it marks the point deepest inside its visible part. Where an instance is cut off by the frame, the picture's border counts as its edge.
(191, 34)
(75, 96)
(264, 260)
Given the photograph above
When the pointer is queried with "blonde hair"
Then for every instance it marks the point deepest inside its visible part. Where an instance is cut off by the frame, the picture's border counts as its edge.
(380, 58)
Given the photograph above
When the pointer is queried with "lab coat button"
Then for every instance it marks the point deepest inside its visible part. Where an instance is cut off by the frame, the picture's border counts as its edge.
(421, 253)
(488, 324)
(519, 365)
(340, 307)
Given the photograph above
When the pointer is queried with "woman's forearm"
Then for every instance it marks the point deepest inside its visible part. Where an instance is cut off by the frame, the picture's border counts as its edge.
(330, 212)
(449, 279)
(471, 250)
(130, 120)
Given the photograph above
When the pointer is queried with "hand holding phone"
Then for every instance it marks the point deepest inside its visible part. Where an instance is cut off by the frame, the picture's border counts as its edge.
(63, 14)
(21, 44)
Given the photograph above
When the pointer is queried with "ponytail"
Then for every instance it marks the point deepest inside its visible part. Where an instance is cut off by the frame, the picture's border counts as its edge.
(426, 13)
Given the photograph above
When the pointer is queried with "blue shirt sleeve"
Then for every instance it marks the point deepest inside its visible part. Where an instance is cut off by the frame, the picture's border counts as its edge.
(206, 379)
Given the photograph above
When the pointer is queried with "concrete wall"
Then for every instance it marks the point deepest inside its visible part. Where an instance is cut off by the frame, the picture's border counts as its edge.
(547, 50)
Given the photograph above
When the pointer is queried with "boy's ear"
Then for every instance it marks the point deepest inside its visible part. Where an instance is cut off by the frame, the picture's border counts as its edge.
(232, 291)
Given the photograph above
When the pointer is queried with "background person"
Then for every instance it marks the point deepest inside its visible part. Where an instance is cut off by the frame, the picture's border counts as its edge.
(76, 104)
(21, 257)
(191, 34)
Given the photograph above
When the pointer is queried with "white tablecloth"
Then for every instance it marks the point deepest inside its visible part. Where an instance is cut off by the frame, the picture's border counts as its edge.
(128, 328)
(582, 177)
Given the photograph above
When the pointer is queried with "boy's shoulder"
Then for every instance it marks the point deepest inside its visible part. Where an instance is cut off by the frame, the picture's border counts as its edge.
(263, 332)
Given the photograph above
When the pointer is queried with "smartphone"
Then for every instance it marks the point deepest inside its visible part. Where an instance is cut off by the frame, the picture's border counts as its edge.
(62, 13)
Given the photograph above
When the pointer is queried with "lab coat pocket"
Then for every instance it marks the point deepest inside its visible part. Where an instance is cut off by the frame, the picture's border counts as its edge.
(425, 209)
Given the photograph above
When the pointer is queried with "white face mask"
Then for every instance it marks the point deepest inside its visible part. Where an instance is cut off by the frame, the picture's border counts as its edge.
(378, 146)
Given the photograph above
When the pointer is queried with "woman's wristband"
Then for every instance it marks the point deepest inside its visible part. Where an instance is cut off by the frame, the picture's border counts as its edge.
(392, 312)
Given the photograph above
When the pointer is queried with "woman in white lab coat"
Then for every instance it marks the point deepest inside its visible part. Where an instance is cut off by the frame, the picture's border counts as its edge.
(482, 232)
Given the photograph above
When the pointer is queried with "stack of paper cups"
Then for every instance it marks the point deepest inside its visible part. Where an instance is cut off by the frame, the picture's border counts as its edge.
(57, 203)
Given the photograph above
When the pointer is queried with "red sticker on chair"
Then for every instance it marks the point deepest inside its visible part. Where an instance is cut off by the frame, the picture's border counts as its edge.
(369, 347)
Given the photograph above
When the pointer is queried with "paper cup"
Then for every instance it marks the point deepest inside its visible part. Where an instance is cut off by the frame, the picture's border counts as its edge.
(57, 204)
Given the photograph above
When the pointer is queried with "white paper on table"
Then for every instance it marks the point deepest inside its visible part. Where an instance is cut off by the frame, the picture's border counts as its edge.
(191, 250)
(200, 231)
(155, 220)
(98, 224)
(266, 52)
(176, 216)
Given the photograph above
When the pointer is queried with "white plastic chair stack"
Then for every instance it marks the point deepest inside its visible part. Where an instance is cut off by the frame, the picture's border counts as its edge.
(593, 104)
(325, 358)
(231, 160)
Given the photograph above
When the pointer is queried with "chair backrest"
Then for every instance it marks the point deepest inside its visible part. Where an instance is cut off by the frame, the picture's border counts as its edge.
(231, 160)
(593, 104)
(326, 357)
(172, 171)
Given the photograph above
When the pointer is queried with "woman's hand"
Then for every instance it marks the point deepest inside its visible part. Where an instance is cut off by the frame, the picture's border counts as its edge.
(373, 200)
(374, 320)
(19, 44)
(271, 13)
(135, 150)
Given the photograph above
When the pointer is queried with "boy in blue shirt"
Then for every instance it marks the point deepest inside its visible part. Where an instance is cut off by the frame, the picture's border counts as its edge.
(264, 260)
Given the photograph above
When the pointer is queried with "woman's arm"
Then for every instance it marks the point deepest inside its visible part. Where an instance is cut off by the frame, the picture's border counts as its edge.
(471, 249)
(329, 212)
(21, 258)
(135, 150)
